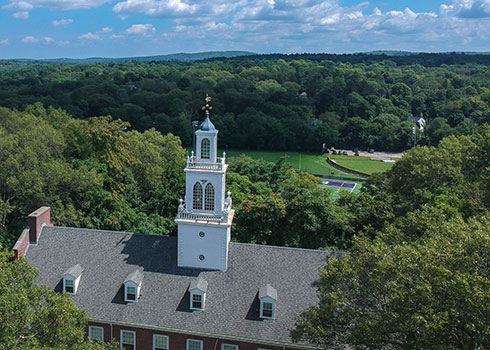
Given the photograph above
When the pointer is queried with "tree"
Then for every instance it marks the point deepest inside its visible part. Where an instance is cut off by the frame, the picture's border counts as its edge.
(402, 291)
(35, 317)
(296, 213)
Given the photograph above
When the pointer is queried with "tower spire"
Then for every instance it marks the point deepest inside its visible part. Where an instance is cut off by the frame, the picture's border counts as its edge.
(207, 107)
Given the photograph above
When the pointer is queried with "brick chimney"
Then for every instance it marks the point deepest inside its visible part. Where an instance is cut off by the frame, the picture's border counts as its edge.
(36, 220)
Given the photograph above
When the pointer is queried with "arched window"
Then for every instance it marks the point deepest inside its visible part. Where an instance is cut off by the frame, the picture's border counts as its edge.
(197, 196)
(209, 197)
(205, 148)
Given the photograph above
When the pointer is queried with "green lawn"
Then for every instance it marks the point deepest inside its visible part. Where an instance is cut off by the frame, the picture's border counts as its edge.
(362, 164)
(311, 163)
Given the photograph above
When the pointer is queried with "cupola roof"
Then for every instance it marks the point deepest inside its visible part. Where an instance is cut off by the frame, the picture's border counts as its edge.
(207, 125)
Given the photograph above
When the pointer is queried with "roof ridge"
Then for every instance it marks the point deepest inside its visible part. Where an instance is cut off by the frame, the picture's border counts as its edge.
(293, 248)
(174, 237)
(111, 231)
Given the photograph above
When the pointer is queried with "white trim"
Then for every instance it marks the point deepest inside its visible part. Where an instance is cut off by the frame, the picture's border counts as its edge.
(136, 292)
(200, 293)
(160, 335)
(68, 278)
(196, 340)
(90, 332)
(235, 347)
(121, 337)
(269, 301)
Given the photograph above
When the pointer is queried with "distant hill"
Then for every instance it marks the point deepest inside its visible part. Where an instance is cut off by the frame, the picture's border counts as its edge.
(399, 57)
(411, 53)
(178, 57)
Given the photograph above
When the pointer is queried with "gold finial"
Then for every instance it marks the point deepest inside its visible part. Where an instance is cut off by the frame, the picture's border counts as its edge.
(207, 107)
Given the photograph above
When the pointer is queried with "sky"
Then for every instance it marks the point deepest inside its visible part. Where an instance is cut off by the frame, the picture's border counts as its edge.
(128, 28)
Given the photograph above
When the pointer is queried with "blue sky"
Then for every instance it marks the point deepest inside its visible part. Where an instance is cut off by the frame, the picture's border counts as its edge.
(121, 28)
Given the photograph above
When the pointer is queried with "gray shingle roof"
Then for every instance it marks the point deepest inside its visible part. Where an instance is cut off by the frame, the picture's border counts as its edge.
(199, 283)
(74, 271)
(268, 291)
(136, 276)
(232, 303)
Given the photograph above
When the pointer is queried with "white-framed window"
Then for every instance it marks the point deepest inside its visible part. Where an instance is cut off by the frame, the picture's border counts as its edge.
(128, 340)
(69, 285)
(196, 301)
(160, 342)
(209, 197)
(205, 148)
(229, 347)
(197, 196)
(267, 309)
(194, 344)
(130, 293)
(96, 333)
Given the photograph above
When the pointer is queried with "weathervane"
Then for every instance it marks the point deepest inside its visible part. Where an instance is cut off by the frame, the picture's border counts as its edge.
(207, 107)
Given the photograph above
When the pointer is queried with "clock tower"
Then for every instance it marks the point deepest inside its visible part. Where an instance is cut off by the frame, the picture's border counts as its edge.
(205, 216)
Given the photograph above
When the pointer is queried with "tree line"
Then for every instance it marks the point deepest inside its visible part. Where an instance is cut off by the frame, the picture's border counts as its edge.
(286, 103)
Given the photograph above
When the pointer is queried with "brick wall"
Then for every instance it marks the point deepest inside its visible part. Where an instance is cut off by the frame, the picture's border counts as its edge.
(177, 341)
(36, 220)
(21, 245)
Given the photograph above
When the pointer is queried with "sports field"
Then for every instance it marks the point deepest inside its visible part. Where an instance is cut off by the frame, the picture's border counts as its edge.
(362, 164)
(311, 163)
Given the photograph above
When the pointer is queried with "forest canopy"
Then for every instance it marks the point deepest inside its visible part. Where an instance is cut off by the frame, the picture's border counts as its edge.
(259, 102)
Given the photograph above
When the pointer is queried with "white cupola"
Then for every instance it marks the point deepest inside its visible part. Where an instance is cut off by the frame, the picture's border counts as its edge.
(204, 218)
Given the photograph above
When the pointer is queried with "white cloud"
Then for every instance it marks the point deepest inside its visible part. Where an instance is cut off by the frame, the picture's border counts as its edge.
(141, 29)
(22, 7)
(4, 41)
(90, 36)
(21, 15)
(470, 9)
(29, 40)
(48, 40)
(164, 8)
(106, 30)
(62, 22)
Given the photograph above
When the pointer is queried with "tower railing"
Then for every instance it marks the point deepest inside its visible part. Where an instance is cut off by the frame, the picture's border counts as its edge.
(193, 163)
(186, 214)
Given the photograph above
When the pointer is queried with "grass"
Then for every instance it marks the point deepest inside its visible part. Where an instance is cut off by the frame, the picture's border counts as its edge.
(362, 164)
(314, 164)
(311, 163)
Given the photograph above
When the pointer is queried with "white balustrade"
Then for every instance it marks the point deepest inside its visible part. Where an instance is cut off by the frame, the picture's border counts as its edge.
(192, 163)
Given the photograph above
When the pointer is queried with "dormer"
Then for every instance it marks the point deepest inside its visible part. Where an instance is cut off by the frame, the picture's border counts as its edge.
(268, 300)
(197, 290)
(132, 286)
(71, 279)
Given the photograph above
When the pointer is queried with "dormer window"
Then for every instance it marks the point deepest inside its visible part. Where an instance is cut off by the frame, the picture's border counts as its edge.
(196, 301)
(268, 299)
(132, 286)
(69, 285)
(130, 293)
(197, 290)
(267, 309)
(71, 278)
